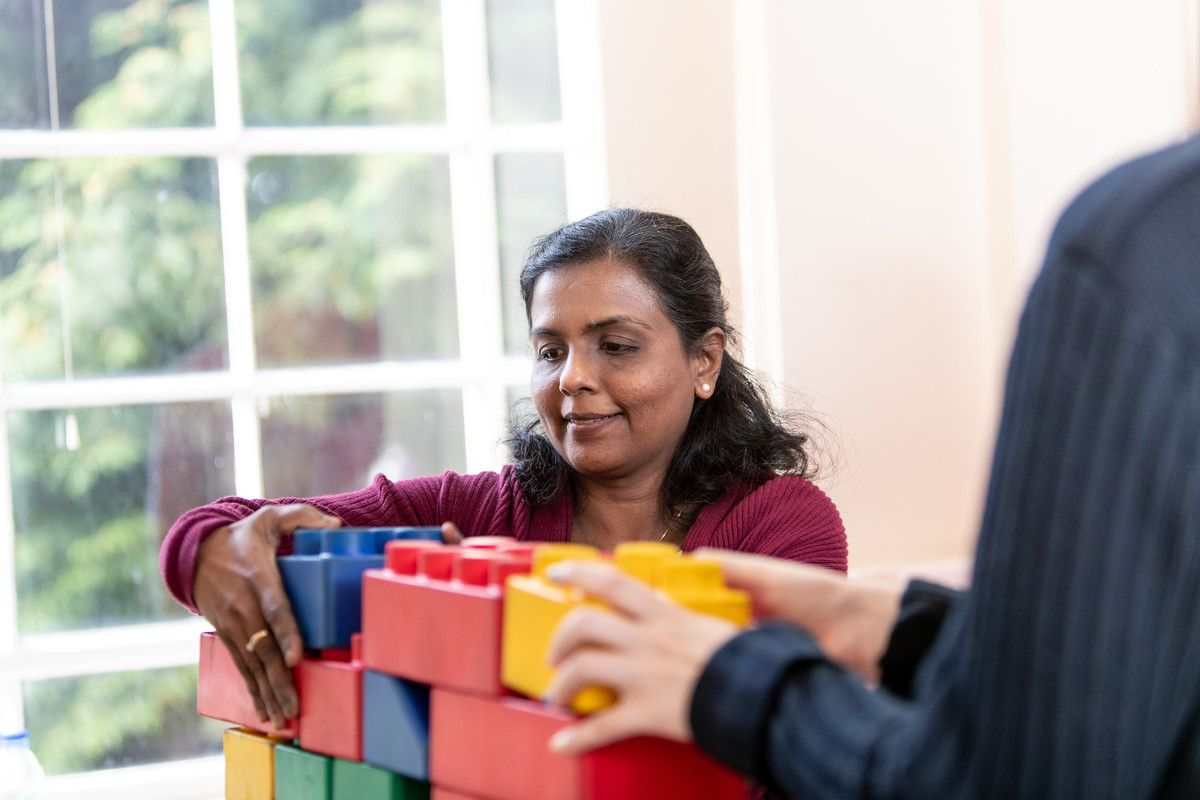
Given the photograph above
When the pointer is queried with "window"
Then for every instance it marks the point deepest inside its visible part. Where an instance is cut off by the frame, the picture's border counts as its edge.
(263, 247)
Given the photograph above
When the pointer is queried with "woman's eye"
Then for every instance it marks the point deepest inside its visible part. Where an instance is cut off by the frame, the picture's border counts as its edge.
(548, 353)
(615, 347)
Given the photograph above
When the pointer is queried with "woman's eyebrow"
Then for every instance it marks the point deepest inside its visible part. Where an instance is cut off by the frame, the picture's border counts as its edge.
(607, 322)
(617, 320)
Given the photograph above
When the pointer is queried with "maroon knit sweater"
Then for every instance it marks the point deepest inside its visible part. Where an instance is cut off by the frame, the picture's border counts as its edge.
(787, 517)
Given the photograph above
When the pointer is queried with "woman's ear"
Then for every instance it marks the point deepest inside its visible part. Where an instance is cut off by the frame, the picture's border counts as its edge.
(708, 362)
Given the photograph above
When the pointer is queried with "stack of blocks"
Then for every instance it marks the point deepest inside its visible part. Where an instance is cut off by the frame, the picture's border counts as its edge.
(424, 664)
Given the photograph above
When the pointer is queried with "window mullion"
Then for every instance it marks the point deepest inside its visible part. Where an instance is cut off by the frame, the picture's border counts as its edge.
(231, 176)
(473, 216)
(583, 106)
(99, 650)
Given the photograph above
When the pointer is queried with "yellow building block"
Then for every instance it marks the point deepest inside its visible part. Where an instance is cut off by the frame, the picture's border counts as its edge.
(533, 608)
(697, 584)
(250, 764)
(646, 560)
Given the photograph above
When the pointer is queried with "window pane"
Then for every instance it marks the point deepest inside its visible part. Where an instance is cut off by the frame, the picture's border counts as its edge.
(340, 62)
(121, 719)
(133, 63)
(531, 201)
(523, 61)
(128, 271)
(338, 443)
(24, 96)
(94, 491)
(351, 259)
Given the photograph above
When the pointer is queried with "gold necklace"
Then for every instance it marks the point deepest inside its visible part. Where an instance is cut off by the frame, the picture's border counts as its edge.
(663, 538)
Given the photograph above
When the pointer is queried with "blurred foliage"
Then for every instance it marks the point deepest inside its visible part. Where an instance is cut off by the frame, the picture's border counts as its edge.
(340, 62)
(162, 52)
(342, 247)
(147, 716)
(130, 259)
(106, 573)
(24, 101)
(351, 260)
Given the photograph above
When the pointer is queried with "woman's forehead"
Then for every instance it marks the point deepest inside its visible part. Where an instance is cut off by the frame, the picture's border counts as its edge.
(597, 289)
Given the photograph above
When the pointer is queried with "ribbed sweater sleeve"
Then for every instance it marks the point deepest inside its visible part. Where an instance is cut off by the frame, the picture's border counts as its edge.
(1071, 669)
(485, 503)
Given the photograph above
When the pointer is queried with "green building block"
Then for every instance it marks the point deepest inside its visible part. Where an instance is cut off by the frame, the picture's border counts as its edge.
(301, 775)
(354, 781)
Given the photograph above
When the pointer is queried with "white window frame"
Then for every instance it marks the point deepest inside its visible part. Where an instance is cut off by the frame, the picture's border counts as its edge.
(483, 371)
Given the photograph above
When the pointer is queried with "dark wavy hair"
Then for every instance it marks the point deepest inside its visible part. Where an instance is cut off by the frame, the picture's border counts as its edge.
(736, 434)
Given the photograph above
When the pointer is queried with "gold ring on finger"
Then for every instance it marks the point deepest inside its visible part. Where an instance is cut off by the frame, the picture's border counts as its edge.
(256, 638)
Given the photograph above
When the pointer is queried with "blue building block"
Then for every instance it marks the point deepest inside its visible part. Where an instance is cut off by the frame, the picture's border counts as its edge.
(323, 578)
(396, 725)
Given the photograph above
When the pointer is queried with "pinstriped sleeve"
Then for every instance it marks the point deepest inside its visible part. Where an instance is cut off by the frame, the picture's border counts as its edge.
(1071, 669)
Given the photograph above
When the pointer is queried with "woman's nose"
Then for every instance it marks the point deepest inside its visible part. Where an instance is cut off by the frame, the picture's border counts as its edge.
(577, 374)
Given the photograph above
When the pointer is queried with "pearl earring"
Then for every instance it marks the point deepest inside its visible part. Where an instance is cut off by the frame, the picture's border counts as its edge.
(706, 387)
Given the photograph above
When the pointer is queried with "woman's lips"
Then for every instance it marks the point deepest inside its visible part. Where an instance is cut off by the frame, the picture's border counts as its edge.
(581, 424)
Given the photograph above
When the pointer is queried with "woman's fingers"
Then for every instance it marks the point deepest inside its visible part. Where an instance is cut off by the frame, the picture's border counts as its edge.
(239, 590)
(285, 638)
(450, 533)
(239, 660)
(273, 679)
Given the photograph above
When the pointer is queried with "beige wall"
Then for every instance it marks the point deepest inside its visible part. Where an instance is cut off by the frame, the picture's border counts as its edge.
(668, 76)
(883, 261)
(912, 158)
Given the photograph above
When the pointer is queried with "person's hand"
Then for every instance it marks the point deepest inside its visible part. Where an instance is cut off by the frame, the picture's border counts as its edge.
(239, 590)
(451, 534)
(647, 649)
(851, 620)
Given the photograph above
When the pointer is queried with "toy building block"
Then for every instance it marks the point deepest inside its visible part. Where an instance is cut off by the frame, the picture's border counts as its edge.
(697, 584)
(353, 781)
(396, 724)
(432, 614)
(331, 694)
(533, 607)
(249, 764)
(496, 747)
(323, 578)
(221, 693)
(300, 775)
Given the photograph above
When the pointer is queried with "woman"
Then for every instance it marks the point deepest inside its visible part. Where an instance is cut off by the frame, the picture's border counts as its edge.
(647, 429)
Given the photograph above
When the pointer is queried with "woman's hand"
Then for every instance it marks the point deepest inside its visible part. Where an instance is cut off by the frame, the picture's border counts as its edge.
(851, 620)
(239, 590)
(451, 534)
(649, 650)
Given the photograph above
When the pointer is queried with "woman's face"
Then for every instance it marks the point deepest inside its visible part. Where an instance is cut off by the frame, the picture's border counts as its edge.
(611, 381)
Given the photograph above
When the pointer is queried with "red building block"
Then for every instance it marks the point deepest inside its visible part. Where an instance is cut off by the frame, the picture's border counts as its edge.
(432, 615)
(221, 692)
(331, 691)
(496, 747)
